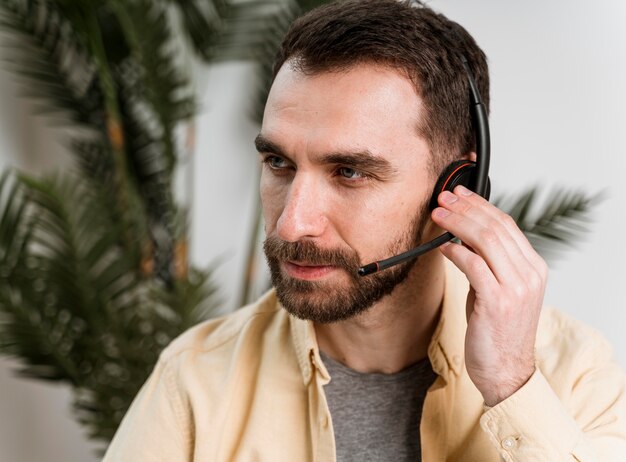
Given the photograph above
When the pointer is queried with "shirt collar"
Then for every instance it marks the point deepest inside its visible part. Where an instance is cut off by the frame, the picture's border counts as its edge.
(446, 346)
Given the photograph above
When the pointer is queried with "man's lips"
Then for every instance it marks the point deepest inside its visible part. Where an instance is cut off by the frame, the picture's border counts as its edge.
(307, 271)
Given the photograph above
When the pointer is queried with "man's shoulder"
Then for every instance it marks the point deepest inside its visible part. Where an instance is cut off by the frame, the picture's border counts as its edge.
(556, 328)
(220, 333)
(565, 343)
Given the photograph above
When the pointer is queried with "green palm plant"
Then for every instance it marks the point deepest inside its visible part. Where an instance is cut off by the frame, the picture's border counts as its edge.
(75, 307)
(93, 263)
(94, 278)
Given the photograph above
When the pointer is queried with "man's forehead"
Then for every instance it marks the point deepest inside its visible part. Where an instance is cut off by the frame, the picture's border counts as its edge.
(353, 86)
(364, 108)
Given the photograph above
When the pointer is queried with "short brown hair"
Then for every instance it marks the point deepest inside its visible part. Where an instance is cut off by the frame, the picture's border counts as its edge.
(405, 35)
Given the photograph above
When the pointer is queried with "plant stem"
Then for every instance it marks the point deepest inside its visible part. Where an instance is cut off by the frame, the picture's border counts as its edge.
(114, 124)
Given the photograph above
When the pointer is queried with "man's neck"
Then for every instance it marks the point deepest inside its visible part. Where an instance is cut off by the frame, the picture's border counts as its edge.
(396, 331)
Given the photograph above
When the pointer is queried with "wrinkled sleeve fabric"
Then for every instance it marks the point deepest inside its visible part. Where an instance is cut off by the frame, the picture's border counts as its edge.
(156, 426)
(586, 425)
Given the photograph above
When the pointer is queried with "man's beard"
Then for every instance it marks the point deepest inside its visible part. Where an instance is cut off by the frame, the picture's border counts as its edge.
(325, 302)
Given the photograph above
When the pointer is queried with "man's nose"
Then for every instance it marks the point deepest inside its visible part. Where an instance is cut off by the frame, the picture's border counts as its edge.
(304, 213)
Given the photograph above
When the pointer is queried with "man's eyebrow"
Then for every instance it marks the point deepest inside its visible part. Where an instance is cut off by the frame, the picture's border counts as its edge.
(262, 144)
(360, 160)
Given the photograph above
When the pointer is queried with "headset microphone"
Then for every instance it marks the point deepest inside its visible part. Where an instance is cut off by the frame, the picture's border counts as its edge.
(474, 175)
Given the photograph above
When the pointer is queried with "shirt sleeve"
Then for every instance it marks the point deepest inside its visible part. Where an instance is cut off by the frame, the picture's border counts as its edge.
(586, 425)
(155, 427)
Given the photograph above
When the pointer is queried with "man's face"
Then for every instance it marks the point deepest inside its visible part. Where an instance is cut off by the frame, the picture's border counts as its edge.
(345, 182)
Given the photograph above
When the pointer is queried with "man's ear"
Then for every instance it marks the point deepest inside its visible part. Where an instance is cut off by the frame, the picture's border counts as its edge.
(470, 156)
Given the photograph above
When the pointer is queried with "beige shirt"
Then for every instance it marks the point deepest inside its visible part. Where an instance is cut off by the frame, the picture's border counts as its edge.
(250, 387)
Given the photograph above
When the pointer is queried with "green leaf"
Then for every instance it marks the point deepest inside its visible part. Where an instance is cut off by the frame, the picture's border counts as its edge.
(558, 224)
(46, 51)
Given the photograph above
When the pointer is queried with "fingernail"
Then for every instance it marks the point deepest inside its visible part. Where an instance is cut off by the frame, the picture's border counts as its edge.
(441, 212)
(463, 191)
(448, 198)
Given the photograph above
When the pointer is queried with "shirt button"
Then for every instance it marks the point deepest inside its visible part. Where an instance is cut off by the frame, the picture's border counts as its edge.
(509, 442)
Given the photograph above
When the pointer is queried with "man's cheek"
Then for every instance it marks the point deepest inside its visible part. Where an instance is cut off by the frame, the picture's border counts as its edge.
(272, 209)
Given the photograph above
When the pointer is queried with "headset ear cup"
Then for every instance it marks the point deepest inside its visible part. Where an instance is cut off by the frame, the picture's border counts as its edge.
(459, 172)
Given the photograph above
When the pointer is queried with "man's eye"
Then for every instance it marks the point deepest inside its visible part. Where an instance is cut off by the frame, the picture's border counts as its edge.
(275, 162)
(351, 173)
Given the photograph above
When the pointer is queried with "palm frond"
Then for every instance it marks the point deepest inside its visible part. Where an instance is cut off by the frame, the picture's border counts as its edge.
(44, 49)
(202, 22)
(72, 306)
(150, 80)
(558, 224)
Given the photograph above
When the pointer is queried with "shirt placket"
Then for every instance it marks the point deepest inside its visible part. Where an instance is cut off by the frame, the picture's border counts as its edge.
(320, 420)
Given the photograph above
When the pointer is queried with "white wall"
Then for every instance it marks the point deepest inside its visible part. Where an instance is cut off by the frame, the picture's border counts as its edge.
(558, 112)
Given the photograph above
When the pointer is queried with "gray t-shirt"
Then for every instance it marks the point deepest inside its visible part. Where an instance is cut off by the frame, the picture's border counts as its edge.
(376, 417)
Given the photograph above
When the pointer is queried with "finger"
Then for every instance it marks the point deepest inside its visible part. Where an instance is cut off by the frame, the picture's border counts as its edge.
(500, 252)
(504, 219)
(477, 271)
(465, 202)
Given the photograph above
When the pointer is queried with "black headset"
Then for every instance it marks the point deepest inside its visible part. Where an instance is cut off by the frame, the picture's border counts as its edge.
(473, 175)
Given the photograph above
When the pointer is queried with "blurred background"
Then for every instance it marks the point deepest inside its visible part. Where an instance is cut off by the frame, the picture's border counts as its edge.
(557, 120)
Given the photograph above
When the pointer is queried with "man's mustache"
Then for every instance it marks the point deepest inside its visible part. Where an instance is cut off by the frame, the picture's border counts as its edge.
(309, 253)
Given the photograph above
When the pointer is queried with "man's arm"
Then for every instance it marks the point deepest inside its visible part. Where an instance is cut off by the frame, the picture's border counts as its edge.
(587, 423)
(155, 428)
(507, 282)
(527, 421)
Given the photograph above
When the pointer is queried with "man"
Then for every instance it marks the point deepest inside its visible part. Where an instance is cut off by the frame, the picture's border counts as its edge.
(370, 102)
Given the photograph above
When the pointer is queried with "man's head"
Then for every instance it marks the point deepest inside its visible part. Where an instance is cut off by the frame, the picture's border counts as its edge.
(369, 103)
(409, 37)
